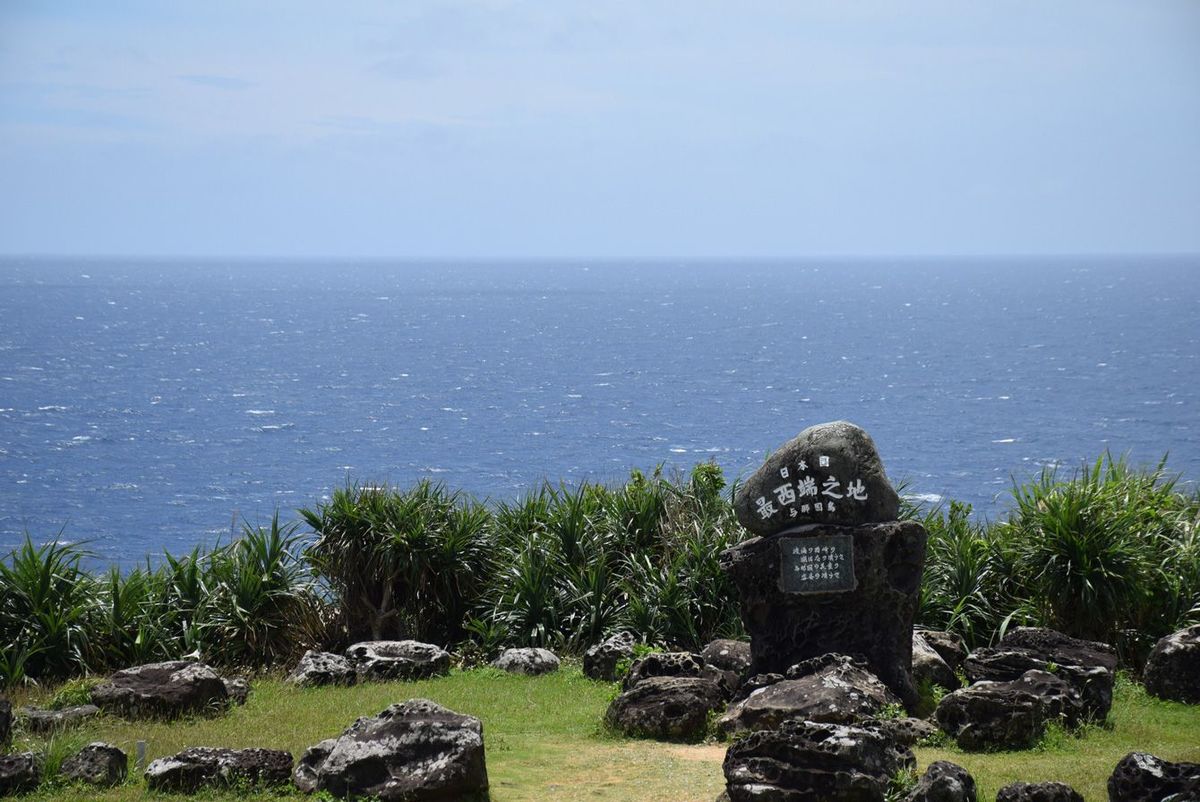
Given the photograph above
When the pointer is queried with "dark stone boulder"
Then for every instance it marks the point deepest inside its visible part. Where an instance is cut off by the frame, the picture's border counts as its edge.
(803, 761)
(949, 646)
(832, 688)
(1009, 715)
(532, 662)
(728, 655)
(97, 764)
(666, 708)
(1141, 777)
(19, 773)
(928, 665)
(663, 664)
(43, 722)
(6, 717)
(601, 661)
(835, 462)
(905, 731)
(206, 767)
(398, 659)
(944, 781)
(1089, 666)
(1173, 670)
(167, 690)
(316, 669)
(874, 619)
(1038, 792)
(411, 752)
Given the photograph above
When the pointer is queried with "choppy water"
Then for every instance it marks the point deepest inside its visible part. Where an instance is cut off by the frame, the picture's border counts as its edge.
(146, 405)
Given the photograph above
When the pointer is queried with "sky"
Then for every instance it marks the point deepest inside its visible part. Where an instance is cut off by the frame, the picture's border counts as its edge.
(599, 130)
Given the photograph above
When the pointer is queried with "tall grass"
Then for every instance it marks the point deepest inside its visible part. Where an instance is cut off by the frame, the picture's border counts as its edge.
(1111, 552)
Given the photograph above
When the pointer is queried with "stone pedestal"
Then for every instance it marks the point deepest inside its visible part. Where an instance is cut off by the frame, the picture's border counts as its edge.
(824, 588)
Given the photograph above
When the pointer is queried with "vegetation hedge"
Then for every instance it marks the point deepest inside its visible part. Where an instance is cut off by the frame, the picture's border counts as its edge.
(1110, 553)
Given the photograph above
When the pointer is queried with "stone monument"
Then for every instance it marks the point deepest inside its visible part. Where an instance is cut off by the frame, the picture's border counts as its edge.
(830, 569)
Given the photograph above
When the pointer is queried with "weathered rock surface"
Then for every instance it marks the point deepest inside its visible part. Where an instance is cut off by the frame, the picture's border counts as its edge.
(41, 722)
(397, 659)
(169, 689)
(1087, 665)
(728, 655)
(904, 731)
(666, 708)
(839, 458)
(414, 751)
(316, 669)
(238, 690)
(1011, 714)
(206, 766)
(1173, 670)
(1141, 777)
(19, 773)
(601, 661)
(1038, 792)
(527, 661)
(832, 688)
(663, 664)
(949, 646)
(98, 764)
(928, 665)
(944, 781)
(873, 620)
(5, 722)
(803, 761)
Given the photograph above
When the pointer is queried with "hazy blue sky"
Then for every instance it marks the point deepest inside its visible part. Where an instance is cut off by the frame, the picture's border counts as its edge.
(599, 129)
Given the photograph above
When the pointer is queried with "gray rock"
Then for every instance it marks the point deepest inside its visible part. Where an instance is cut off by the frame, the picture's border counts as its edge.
(167, 690)
(414, 751)
(1087, 665)
(212, 767)
(42, 722)
(322, 668)
(1173, 670)
(600, 661)
(97, 764)
(873, 620)
(843, 467)
(831, 689)
(238, 690)
(803, 761)
(527, 661)
(6, 718)
(728, 655)
(397, 659)
(928, 665)
(949, 646)
(1142, 777)
(944, 781)
(903, 731)
(663, 664)
(666, 708)
(1009, 715)
(19, 773)
(1038, 792)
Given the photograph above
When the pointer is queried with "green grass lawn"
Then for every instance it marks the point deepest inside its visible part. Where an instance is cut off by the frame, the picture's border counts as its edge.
(544, 740)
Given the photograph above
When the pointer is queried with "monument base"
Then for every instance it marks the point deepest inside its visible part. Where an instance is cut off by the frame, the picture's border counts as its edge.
(824, 588)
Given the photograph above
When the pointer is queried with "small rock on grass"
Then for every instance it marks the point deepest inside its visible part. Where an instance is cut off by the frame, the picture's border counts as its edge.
(1038, 792)
(213, 767)
(97, 764)
(19, 773)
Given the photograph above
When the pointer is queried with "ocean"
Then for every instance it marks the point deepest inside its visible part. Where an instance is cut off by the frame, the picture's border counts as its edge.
(157, 404)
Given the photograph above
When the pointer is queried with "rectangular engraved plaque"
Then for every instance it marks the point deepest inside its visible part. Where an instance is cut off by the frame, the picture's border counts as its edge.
(818, 564)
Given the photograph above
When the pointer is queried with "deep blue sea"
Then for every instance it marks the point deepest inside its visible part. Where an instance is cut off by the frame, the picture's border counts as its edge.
(148, 405)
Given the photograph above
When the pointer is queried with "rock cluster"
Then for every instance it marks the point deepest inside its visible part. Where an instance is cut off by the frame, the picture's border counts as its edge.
(414, 751)
(204, 767)
(1173, 670)
(1009, 715)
